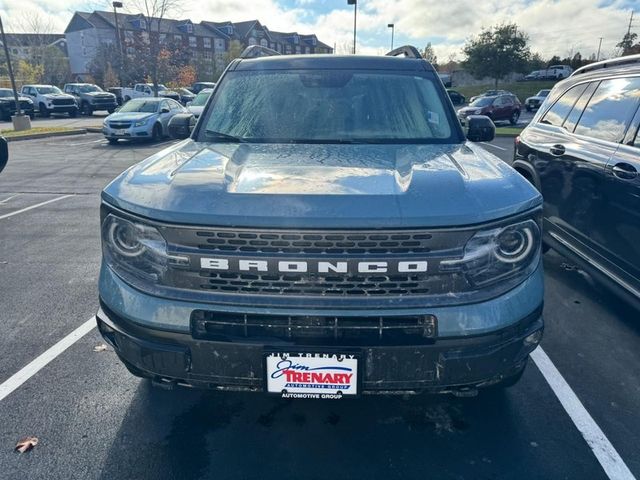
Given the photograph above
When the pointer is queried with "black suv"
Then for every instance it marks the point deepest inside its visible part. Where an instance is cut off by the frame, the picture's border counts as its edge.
(582, 151)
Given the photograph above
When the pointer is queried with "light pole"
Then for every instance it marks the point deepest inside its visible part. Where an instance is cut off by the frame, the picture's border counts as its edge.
(117, 5)
(355, 15)
(392, 26)
(599, 46)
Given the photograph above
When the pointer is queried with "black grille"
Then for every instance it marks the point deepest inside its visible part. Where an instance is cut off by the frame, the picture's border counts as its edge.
(314, 246)
(317, 242)
(63, 101)
(325, 330)
(335, 285)
(120, 125)
(104, 100)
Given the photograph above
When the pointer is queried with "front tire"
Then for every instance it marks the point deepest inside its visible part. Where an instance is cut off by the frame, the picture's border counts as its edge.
(513, 120)
(43, 111)
(73, 113)
(86, 109)
(112, 141)
(156, 133)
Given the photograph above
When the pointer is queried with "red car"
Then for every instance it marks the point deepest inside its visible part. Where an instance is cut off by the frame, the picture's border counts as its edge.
(498, 107)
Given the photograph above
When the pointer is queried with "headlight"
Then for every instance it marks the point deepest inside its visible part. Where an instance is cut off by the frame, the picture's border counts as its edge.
(141, 123)
(133, 248)
(499, 254)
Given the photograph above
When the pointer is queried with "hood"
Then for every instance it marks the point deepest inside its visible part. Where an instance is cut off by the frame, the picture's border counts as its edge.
(20, 99)
(99, 94)
(129, 116)
(322, 186)
(57, 95)
(470, 109)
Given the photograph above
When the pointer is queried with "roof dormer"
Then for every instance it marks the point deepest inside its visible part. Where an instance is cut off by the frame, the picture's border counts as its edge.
(186, 26)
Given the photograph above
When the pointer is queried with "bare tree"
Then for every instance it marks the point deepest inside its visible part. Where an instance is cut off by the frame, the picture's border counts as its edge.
(154, 13)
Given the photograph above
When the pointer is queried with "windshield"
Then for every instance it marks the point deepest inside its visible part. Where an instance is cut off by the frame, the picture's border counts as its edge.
(140, 106)
(543, 93)
(482, 102)
(89, 88)
(45, 90)
(333, 106)
(201, 98)
(6, 93)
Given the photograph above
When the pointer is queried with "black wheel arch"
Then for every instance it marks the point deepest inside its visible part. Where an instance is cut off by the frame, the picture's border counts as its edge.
(527, 171)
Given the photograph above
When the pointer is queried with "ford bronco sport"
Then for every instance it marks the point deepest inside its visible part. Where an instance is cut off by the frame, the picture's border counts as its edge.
(326, 230)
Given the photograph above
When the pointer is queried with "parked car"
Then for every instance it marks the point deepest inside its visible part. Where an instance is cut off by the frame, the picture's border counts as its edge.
(536, 75)
(499, 107)
(490, 93)
(117, 91)
(197, 105)
(199, 86)
(348, 224)
(456, 97)
(147, 90)
(91, 98)
(49, 99)
(4, 153)
(533, 103)
(558, 72)
(186, 95)
(141, 118)
(8, 104)
(582, 151)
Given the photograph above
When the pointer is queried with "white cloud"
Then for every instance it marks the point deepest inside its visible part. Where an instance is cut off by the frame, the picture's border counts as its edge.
(555, 26)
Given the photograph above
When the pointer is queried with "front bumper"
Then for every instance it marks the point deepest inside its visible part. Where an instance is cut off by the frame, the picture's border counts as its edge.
(446, 365)
(476, 344)
(144, 131)
(97, 106)
(61, 108)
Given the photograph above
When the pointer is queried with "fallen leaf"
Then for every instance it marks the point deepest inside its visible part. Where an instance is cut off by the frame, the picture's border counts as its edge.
(26, 444)
(100, 347)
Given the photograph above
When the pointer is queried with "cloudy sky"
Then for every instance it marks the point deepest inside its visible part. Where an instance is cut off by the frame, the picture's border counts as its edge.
(555, 27)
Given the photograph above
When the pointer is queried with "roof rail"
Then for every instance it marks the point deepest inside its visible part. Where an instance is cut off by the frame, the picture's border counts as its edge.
(406, 51)
(614, 62)
(256, 51)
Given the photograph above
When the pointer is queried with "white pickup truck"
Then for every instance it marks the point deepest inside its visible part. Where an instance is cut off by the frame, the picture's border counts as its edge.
(146, 90)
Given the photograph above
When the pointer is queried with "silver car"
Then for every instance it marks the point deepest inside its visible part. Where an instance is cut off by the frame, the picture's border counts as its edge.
(141, 118)
(196, 106)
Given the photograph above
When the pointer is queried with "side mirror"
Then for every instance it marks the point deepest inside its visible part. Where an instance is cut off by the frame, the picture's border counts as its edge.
(4, 153)
(480, 128)
(164, 110)
(181, 125)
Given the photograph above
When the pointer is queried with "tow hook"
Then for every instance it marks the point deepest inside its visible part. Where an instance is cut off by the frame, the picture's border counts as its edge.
(465, 392)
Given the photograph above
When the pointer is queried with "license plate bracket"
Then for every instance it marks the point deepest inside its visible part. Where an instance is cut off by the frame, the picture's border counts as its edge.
(323, 373)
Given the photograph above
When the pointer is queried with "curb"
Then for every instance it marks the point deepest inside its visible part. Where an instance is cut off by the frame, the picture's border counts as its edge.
(507, 135)
(93, 129)
(35, 136)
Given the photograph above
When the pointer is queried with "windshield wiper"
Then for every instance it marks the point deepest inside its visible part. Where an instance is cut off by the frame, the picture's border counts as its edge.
(223, 136)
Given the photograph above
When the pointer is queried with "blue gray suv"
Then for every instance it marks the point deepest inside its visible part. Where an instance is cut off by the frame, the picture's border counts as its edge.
(327, 229)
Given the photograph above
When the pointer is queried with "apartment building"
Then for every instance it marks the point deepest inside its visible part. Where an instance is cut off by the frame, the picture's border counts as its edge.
(207, 42)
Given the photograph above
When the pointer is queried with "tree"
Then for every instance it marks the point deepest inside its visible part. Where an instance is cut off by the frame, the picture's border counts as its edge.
(536, 62)
(154, 12)
(629, 45)
(235, 49)
(429, 55)
(56, 70)
(104, 64)
(496, 52)
(28, 72)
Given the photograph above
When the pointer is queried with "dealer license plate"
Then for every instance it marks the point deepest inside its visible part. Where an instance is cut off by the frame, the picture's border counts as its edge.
(312, 375)
(121, 133)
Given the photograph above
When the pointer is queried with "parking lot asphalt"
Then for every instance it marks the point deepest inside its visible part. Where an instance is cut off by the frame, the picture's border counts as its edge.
(94, 420)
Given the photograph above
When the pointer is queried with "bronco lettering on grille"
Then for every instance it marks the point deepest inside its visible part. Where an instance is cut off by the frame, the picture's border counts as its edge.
(304, 266)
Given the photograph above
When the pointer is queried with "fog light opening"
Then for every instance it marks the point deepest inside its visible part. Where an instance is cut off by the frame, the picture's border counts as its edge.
(533, 339)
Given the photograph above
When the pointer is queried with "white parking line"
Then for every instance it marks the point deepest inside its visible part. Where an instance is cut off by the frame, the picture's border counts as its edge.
(492, 145)
(611, 462)
(7, 215)
(33, 367)
(9, 198)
